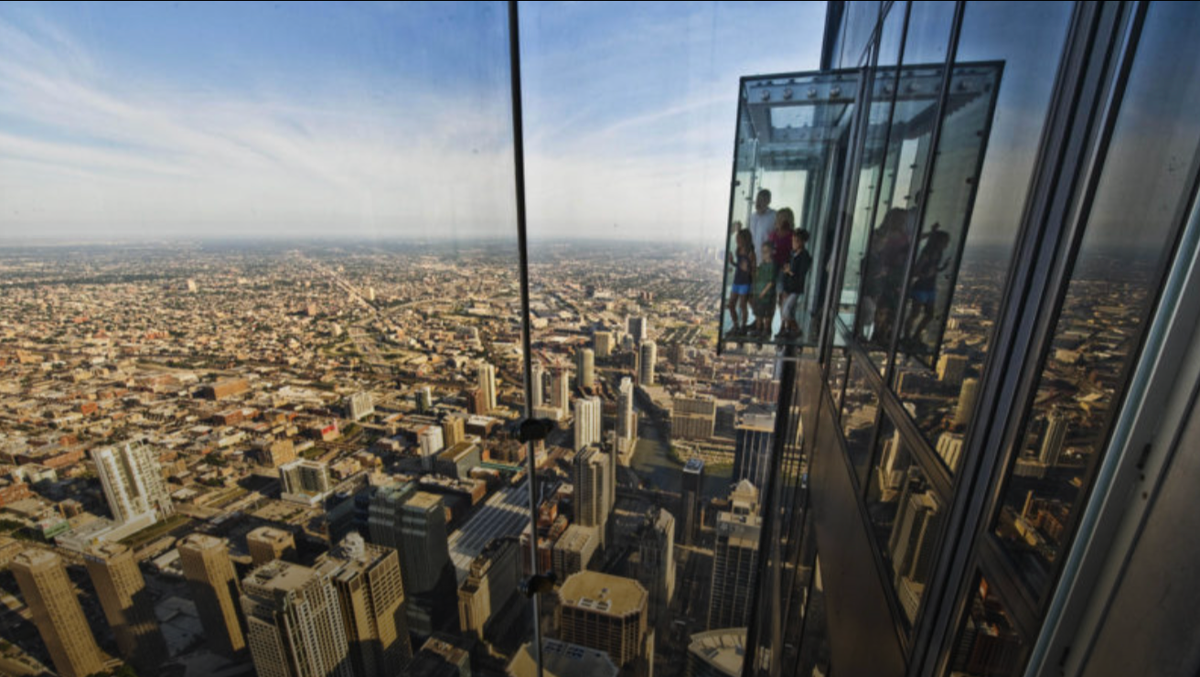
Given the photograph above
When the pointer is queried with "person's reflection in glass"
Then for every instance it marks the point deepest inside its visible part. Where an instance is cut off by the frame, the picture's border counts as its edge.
(889, 246)
(743, 277)
(923, 291)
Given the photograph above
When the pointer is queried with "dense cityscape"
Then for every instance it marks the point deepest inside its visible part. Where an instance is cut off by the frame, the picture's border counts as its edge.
(190, 431)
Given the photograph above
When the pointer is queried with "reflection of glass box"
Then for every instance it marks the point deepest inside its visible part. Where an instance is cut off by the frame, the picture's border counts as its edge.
(796, 136)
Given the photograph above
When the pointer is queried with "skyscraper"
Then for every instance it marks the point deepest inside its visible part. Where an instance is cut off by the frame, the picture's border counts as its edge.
(294, 622)
(966, 401)
(692, 483)
(369, 586)
(215, 590)
(57, 614)
(127, 605)
(752, 454)
(637, 327)
(414, 523)
(1054, 439)
(656, 564)
(590, 476)
(560, 389)
(132, 481)
(607, 613)
(912, 541)
(587, 422)
(649, 356)
(538, 383)
(453, 430)
(734, 559)
(385, 515)
(304, 481)
(585, 367)
(430, 439)
(487, 385)
(360, 405)
(626, 420)
(603, 341)
(490, 587)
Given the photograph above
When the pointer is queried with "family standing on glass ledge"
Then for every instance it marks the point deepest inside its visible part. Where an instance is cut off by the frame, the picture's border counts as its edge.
(771, 264)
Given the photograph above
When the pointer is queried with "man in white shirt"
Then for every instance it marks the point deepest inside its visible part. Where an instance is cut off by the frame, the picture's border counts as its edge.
(762, 220)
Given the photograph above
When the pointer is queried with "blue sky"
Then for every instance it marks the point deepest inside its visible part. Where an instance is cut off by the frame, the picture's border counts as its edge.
(140, 120)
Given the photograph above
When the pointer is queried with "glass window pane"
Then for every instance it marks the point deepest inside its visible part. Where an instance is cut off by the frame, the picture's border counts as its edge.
(947, 336)
(900, 188)
(858, 417)
(907, 516)
(883, 93)
(988, 644)
(1145, 187)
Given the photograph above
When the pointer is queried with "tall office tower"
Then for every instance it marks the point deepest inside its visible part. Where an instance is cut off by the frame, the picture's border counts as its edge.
(294, 622)
(585, 367)
(215, 590)
(1055, 438)
(755, 436)
(603, 342)
(637, 327)
(560, 389)
(487, 385)
(385, 516)
(693, 417)
(305, 478)
(537, 379)
(360, 405)
(952, 368)
(626, 423)
(132, 481)
(429, 575)
(656, 563)
(734, 559)
(591, 475)
(453, 430)
(430, 439)
(490, 589)
(889, 474)
(267, 544)
(913, 539)
(57, 614)
(693, 517)
(127, 605)
(371, 591)
(649, 356)
(607, 613)
(966, 401)
(587, 422)
(424, 399)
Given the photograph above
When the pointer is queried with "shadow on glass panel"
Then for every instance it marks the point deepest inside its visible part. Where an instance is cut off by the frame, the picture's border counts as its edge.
(860, 407)
(793, 134)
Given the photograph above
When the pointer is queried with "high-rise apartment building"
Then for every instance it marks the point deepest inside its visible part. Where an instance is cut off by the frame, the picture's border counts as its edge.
(132, 480)
(215, 590)
(573, 550)
(453, 430)
(538, 382)
(560, 389)
(656, 564)
(267, 544)
(585, 367)
(371, 592)
(431, 442)
(591, 474)
(57, 614)
(647, 360)
(487, 385)
(626, 418)
(360, 405)
(304, 481)
(605, 612)
(693, 417)
(587, 422)
(735, 558)
(603, 342)
(294, 623)
(637, 327)
(128, 605)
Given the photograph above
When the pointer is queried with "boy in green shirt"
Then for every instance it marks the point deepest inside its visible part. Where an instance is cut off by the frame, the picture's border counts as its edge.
(764, 291)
